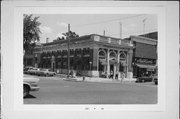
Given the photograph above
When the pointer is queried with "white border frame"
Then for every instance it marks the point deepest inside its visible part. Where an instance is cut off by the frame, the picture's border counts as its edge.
(88, 10)
(16, 48)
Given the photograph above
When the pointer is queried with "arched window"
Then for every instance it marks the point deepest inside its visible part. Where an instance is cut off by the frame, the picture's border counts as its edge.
(102, 54)
(112, 55)
(122, 56)
(102, 60)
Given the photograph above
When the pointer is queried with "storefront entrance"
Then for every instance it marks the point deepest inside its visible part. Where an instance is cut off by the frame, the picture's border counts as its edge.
(112, 67)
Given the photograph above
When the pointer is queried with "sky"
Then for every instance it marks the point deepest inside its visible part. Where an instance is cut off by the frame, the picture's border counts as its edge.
(53, 25)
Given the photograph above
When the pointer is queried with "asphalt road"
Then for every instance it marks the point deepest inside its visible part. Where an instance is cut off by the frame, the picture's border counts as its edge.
(55, 91)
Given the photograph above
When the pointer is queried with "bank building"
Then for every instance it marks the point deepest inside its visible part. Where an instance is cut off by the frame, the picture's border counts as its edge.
(90, 55)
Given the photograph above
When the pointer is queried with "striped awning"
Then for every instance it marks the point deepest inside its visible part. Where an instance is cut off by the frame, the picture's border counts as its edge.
(146, 66)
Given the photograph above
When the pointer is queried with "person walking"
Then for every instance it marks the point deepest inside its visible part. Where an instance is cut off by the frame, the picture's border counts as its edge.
(111, 74)
(116, 76)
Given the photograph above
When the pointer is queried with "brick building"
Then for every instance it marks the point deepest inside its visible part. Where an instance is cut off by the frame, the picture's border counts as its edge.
(144, 55)
(91, 55)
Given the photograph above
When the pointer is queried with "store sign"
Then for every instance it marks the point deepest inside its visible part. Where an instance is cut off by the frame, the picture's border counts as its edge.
(144, 61)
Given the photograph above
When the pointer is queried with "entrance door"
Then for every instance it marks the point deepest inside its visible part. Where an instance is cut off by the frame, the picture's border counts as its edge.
(112, 67)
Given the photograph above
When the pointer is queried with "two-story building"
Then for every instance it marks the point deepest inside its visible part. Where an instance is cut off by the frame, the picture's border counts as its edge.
(144, 56)
(91, 55)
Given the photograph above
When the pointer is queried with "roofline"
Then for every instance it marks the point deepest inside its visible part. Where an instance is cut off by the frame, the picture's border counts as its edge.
(141, 37)
(49, 43)
(107, 36)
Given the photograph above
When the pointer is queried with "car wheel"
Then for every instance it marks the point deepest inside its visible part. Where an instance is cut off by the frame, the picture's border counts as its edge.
(47, 75)
(25, 91)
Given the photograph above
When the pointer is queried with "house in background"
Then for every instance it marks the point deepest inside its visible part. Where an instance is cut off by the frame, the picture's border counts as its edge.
(144, 60)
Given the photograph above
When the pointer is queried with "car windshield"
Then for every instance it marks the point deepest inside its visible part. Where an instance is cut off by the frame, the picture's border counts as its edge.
(44, 69)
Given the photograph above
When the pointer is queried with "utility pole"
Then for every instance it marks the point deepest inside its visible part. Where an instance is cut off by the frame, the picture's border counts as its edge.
(104, 33)
(68, 67)
(120, 30)
(144, 23)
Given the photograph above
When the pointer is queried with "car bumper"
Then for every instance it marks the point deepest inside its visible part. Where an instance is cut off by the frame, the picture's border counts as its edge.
(35, 88)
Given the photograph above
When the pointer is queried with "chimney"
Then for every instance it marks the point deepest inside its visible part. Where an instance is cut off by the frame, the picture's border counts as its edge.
(47, 39)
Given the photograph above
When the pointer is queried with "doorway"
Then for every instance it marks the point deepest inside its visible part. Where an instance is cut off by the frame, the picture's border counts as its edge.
(112, 67)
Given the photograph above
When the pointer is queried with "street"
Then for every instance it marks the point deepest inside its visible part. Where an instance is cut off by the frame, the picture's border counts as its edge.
(56, 91)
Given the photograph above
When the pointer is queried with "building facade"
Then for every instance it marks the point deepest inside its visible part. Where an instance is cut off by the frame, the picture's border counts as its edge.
(90, 55)
(144, 56)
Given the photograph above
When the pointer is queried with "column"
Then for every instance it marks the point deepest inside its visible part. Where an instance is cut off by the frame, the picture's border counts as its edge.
(130, 56)
(108, 67)
(95, 62)
(118, 60)
(114, 71)
(95, 59)
(129, 59)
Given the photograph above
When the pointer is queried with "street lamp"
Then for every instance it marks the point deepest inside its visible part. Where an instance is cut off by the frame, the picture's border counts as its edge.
(90, 65)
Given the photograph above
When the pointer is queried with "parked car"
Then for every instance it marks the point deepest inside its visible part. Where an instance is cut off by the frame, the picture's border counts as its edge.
(29, 84)
(145, 79)
(46, 72)
(155, 79)
(33, 71)
(26, 69)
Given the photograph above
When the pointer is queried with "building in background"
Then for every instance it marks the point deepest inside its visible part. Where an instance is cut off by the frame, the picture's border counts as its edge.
(144, 56)
(90, 55)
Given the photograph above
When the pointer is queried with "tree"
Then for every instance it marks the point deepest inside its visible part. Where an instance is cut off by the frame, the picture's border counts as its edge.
(31, 33)
(70, 35)
(58, 38)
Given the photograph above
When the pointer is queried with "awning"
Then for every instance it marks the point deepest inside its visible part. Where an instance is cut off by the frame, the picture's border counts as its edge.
(146, 66)
(113, 61)
(103, 61)
(123, 63)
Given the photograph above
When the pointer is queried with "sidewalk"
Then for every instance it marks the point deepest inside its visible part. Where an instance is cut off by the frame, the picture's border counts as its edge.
(96, 79)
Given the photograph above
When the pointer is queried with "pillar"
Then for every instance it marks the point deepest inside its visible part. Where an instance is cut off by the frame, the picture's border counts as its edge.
(130, 69)
(130, 56)
(108, 67)
(114, 71)
(95, 62)
(53, 63)
(118, 58)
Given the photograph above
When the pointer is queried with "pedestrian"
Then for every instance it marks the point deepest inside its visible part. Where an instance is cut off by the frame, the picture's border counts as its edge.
(71, 73)
(116, 76)
(111, 74)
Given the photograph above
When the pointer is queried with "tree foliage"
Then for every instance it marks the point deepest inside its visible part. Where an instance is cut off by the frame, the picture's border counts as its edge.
(59, 38)
(70, 35)
(31, 32)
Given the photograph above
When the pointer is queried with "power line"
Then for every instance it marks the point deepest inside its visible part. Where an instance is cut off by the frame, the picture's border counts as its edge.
(148, 30)
(105, 21)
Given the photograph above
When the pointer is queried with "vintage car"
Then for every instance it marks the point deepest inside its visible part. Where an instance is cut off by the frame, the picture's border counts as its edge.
(144, 79)
(46, 72)
(26, 69)
(155, 79)
(29, 84)
(33, 71)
